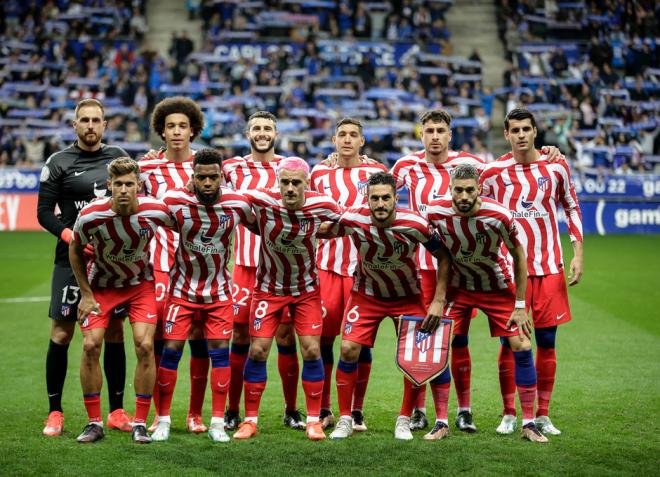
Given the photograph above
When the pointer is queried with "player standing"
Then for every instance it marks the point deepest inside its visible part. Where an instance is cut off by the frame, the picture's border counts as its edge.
(475, 230)
(257, 170)
(70, 180)
(426, 175)
(178, 121)
(533, 189)
(346, 183)
(386, 284)
(205, 221)
(120, 228)
(288, 220)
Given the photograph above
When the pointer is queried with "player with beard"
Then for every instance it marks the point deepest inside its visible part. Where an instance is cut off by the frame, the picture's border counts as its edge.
(533, 189)
(70, 180)
(178, 121)
(205, 220)
(288, 218)
(386, 284)
(482, 237)
(346, 182)
(120, 229)
(257, 170)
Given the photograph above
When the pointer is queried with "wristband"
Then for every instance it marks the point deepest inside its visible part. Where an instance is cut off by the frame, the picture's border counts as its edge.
(520, 304)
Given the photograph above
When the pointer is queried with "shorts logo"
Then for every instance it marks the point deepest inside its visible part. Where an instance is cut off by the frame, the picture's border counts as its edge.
(145, 233)
(236, 308)
(85, 322)
(348, 328)
(306, 224)
(257, 324)
(168, 327)
(66, 310)
(543, 183)
(362, 187)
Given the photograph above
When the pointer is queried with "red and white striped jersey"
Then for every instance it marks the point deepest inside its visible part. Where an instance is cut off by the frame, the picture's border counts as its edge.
(287, 252)
(426, 182)
(159, 176)
(387, 267)
(533, 193)
(348, 187)
(121, 243)
(200, 271)
(480, 262)
(241, 174)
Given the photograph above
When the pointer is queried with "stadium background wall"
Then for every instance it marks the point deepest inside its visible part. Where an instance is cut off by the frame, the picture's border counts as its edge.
(610, 205)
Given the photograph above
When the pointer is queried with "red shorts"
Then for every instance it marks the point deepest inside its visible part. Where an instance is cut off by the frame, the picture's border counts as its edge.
(243, 285)
(364, 313)
(267, 313)
(139, 300)
(497, 305)
(547, 297)
(335, 291)
(218, 319)
(429, 280)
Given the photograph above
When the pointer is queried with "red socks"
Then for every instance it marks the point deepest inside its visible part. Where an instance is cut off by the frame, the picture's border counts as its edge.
(199, 372)
(507, 365)
(440, 399)
(93, 407)
(220, 378)
(165, 382)
(546, 366)
(461, 370)
(289, 368)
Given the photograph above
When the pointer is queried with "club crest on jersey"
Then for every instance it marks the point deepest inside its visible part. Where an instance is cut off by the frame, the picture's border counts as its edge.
(362, 187)
(543, 183)
(257, 324)
(66, 310)
(306, 224)
(225, 221)
(145, 233)
(168, 327)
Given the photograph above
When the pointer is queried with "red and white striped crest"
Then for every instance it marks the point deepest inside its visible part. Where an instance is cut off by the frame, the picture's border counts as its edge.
(422, 356)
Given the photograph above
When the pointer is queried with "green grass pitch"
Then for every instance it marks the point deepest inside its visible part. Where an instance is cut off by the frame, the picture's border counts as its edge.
(606, 400)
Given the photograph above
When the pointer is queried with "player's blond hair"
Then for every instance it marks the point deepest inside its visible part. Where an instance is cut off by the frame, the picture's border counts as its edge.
(123, 166)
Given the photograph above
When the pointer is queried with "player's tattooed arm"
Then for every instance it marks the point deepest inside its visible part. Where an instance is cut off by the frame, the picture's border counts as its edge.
(577, 265)
(519, 316)
(87, 301)
(553, 153)
(437, 306)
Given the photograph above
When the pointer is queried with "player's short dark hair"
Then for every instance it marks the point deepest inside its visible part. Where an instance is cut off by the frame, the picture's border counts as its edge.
(437, 116)
(180, 105)
(89, 102)
(519, 114)
(464, 172)
(261, 115)
(353, 121)
(384, 178)
(122, 166)
(207, 157)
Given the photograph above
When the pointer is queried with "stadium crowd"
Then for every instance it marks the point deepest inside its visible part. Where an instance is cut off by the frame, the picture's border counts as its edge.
(590, 74)
(589, 70)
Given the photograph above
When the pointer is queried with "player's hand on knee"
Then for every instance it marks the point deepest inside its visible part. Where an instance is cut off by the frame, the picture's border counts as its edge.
(520, 318)
(87, 305)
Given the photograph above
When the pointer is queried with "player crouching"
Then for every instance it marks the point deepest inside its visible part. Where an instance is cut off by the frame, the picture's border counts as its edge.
(119, 228)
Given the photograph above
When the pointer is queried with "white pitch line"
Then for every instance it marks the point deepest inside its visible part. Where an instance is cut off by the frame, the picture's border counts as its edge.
(25, 299)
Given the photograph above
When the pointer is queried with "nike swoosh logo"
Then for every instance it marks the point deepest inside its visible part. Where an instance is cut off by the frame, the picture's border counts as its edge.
(318, 325)
(318, 393)
(221, 385)
(559, 317)
(78, 173)
(226, 332)
(151, 315)
(52, 395)
(163, 384)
